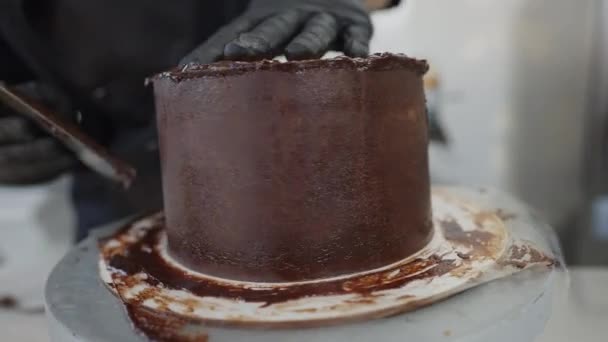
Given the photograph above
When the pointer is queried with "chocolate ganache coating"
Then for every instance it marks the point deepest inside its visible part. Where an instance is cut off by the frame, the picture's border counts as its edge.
(294, 171)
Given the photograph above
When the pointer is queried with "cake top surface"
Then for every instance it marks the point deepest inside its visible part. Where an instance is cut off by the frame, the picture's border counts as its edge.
(375, 62)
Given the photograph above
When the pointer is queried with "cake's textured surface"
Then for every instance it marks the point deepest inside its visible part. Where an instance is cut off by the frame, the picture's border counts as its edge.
(294, 171)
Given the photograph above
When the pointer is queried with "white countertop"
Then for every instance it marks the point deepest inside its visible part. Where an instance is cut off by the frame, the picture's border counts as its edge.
(583, 316)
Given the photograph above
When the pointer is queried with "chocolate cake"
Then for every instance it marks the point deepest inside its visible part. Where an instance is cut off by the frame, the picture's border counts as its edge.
(292, 171)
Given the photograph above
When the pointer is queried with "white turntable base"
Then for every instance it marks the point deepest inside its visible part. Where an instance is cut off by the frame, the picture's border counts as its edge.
(516, 308)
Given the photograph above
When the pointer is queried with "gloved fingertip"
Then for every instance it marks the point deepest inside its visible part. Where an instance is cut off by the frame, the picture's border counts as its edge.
(197, 57)
(234, 50)
(16, 129)
(247, 47)
(297, 52)
(203, 55)
(187, 61)
(356, 48)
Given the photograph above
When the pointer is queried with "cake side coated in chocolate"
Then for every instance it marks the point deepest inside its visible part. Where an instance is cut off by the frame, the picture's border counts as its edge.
(288, 172)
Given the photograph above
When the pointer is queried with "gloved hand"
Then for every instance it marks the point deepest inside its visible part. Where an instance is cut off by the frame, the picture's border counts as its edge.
(301, 29)
(27, 155)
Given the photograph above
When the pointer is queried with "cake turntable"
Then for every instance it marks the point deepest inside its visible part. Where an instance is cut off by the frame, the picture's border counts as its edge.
(515, 307)
(298, 207)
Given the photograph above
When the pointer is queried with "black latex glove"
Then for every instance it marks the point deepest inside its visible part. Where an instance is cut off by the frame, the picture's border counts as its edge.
(27, 155)
(300, 29)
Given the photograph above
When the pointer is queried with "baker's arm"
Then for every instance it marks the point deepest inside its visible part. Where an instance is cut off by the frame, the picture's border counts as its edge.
(12, 68)
(299, 29)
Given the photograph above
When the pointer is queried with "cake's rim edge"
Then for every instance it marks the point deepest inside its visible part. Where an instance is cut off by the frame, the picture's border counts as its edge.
(375, 62)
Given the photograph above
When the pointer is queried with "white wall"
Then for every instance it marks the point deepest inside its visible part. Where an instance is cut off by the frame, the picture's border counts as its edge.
(514, 75)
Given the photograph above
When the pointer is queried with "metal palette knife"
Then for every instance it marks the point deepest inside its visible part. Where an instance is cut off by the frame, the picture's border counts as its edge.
(90, 153)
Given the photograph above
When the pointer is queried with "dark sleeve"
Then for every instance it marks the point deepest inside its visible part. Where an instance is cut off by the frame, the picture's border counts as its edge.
(12, 68)
(394, 3)
(233, 8)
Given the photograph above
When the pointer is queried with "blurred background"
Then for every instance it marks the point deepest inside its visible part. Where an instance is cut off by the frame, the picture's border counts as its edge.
(518, 90)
